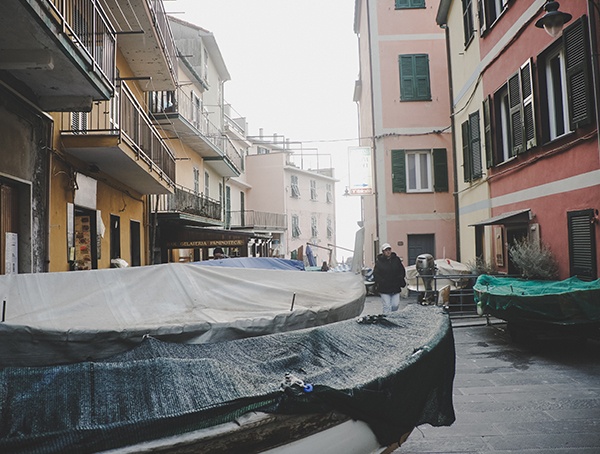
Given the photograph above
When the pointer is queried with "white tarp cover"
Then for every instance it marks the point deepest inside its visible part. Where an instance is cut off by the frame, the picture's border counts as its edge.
(54, 318)
(445, 267)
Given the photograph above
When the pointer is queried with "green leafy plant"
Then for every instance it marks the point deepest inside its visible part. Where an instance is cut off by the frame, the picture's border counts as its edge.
(534, 260)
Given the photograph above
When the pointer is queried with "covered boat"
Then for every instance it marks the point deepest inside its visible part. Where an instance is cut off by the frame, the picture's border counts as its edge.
(247, 395)
(54, 318)
(571, 306)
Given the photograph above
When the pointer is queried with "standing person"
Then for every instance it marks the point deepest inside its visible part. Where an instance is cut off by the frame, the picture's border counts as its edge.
(218, 254)
(389, 277)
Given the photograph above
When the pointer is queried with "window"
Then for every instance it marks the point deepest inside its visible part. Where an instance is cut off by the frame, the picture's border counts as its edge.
(206, 184)
(414, 77)
(471, 144)
(313, 190)
(262, 150)
(115, 237)
(294, 186)
(408, 4)
(196, 171)
(329, 193)
(243, 208)
(467, 9)
(314, 231)
(295, 226)
(515, 115)
(419, 170)
(489, 11)
(565, 89)
(329, 228)
(205, 66)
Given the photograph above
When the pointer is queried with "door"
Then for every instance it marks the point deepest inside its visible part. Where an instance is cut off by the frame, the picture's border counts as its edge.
(582, 244)
(86, 240)
(420, 244)
(514, 234)
(9, 229)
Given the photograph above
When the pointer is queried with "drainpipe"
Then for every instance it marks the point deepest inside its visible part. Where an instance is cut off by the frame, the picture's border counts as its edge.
(373, 140)
(453, 130)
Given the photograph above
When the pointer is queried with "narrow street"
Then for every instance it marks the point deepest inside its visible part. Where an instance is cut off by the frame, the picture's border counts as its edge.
(509, 398)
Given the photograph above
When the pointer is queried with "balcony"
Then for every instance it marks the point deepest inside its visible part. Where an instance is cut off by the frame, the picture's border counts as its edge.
(146, 41)
(62, 50)
(260, 220)
(186, 204)
(181, 114)
(117, 138)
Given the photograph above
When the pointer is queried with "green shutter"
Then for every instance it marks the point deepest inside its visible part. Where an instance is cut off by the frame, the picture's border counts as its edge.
(578, 74)
(405, 4)
(398, 171)
(516, 115)
(422, 77)
(475, 131)
(528, 107)
(440, 170)
(414, 77)
(466, 142)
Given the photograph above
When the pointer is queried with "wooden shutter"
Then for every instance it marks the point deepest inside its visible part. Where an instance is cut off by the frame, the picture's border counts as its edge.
(422, 76)
(475, 136)
(407, 79)
(528, 105)
(516, 115)
(398, 171)
(440, 170)
(582, 244)
(466, 145)
(487, 127)
(401, 4)
(578, 74)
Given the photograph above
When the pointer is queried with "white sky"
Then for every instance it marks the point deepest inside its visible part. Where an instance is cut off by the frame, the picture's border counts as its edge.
(293, 65)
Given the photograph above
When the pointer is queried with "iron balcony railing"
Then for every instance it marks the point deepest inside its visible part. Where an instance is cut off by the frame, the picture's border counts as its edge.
(185, 200)
(257, 220)
(189, 107)
(123, 116)
(86, 24)
(165, 33)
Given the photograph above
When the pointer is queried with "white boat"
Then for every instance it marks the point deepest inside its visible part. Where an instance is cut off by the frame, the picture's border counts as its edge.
(56, 318)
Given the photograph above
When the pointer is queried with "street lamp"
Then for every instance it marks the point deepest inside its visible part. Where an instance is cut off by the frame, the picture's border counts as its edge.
(554, 20)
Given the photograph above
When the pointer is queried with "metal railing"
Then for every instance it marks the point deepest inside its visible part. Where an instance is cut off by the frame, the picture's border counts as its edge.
(164, 32)
(184, 200)
(257, 220)
(86, 24)
(124, 116)
(461, 299)
(190, 108)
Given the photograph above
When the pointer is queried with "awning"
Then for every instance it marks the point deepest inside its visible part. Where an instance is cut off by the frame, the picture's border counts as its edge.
(509, 218)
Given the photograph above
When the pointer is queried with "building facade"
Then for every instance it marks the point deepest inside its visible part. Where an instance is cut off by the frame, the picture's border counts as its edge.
(534, 147)
(292, 199)
(403, 105)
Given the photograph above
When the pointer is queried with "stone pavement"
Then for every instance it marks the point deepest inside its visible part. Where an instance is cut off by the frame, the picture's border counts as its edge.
(534, 398)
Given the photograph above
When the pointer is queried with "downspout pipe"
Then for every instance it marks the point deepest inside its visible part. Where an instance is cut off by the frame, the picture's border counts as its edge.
(453, 130)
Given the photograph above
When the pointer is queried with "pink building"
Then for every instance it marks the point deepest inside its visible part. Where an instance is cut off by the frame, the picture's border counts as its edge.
(404, 117)
(538, 129)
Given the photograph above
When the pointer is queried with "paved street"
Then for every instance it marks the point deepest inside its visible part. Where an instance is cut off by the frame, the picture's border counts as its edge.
(517, 398)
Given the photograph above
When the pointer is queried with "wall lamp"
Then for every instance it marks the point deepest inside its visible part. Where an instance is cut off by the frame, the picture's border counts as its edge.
(554, 20)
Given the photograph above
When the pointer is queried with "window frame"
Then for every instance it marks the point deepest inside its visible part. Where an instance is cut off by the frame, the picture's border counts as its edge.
(437, 173)
(294, 187)
(313, 190)
(296, 232)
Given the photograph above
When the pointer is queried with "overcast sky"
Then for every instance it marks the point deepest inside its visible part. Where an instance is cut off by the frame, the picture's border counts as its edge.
(293, 65)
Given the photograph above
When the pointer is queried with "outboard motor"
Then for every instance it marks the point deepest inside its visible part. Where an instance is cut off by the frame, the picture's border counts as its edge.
(425, 265)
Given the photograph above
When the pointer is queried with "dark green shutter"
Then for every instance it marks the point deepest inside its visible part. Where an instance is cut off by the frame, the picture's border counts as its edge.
(440, 170)
(422, 76)
(516, 115)
(475, 151)
(487, 125)
(414, 77)
(582, 244)
(528, 107)
(405, 4)
(398, 171)
(466, 142)
(578, 74)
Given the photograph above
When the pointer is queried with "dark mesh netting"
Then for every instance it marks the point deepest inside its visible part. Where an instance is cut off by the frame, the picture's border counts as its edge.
(394, 373)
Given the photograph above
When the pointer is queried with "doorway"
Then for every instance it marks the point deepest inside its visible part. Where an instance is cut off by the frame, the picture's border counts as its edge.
(420, 244)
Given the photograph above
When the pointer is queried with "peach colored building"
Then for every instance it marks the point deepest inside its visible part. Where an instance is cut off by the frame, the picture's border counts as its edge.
(294, 199)
(404, 109)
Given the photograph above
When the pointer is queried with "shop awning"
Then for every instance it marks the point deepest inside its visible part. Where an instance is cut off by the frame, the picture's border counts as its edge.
(508, 218)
